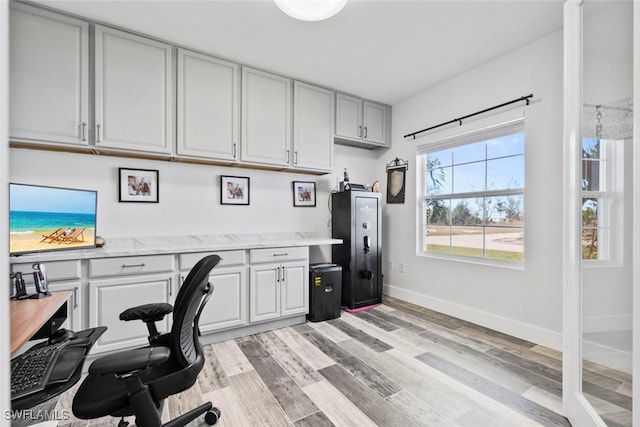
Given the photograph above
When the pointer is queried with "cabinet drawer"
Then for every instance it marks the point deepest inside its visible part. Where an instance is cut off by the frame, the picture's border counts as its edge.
(58, 270)
(125, 266)
(227, 258)
(278, 254)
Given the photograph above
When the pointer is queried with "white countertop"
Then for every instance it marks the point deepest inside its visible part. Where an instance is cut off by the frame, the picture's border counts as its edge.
(134, 246)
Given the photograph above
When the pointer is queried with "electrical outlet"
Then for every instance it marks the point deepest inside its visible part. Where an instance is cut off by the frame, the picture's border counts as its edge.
(402, 267)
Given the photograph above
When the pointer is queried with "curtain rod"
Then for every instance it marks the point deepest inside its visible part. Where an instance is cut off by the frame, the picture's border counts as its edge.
(513, 101)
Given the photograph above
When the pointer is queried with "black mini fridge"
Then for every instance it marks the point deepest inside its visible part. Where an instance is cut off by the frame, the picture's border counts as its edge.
(325, 292)
(356, 218)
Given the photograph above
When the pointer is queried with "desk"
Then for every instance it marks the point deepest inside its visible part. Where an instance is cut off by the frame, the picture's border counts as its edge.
(29, 315)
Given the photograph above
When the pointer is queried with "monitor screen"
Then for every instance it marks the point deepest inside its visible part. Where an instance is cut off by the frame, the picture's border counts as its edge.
(50, 218)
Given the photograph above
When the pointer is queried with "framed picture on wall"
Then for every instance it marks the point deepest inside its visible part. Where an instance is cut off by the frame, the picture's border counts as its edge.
(304, 193)
(139, 185)
(234, 190)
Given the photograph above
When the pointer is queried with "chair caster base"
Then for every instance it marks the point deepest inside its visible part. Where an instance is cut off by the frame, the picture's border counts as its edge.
(212, 416)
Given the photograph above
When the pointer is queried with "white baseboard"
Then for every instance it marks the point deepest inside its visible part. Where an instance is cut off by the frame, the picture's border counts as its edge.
(502, 324)
(614, 322)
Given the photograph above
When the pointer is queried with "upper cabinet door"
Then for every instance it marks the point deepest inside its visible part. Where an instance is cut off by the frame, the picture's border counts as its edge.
(348, 117)
(133, 97)
(312, 127)
(208, 106)
(266, 118)
(49, 68)
(374, 122)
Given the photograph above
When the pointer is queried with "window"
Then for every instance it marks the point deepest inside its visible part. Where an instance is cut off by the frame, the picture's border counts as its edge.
(472, 203)
(602, 179)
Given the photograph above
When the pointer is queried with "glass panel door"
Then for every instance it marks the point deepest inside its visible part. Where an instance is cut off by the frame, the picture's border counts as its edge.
(606, 208)
(600, 229)
(599, 234)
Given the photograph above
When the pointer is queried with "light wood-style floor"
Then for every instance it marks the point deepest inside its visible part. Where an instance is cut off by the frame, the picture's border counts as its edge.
(396, 365)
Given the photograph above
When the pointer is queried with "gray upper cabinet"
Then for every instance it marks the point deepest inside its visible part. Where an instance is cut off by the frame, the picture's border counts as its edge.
(313, 112)
(133, 92)
(266, 118)
(208, 107)
(362, 123)
(49, 68)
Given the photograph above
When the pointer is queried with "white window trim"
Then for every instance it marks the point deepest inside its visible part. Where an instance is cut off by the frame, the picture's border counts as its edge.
(610, 214)
(487, 132)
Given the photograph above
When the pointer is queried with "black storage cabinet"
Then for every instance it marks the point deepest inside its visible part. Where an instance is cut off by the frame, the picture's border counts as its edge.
(356, 218)
(325, 292)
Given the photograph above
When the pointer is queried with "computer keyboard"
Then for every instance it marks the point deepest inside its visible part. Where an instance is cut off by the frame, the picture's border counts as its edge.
(31, 370)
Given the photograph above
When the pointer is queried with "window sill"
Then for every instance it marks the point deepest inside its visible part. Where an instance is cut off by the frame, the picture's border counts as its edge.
(519, 265)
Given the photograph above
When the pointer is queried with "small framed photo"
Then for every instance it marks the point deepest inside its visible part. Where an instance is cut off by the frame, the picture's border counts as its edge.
(304, 193)
(139, 185)
(234, 190)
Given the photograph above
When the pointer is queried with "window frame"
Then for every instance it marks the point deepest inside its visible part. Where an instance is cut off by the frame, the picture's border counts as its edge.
(610, 221)
(493, 131)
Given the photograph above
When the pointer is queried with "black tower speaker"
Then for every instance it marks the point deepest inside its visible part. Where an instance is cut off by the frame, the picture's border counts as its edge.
(356, 218)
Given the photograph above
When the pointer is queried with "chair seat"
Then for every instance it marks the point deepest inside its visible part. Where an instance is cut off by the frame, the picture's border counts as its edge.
(99, 396)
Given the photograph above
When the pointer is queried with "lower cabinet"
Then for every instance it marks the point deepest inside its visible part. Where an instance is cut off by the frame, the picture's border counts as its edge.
(271, 284)
(278, 289)
(227, 307)
(110, 297)
(74, 306)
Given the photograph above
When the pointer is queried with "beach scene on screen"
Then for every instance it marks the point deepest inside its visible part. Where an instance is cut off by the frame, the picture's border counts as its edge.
(48, 218)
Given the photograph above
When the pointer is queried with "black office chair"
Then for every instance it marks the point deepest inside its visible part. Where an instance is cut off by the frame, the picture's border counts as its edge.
(136, 382)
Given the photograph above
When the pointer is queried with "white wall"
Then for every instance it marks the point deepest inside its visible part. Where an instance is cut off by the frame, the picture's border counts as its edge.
(526, 303)
(190, 194)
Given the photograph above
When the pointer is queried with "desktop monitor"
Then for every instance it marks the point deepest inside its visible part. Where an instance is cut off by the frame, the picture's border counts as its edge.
(50, 218)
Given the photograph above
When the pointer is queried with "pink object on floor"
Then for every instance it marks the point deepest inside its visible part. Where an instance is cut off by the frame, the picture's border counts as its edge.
(358, 310)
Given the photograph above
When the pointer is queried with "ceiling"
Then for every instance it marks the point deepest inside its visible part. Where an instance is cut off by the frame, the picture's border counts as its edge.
(383, 50)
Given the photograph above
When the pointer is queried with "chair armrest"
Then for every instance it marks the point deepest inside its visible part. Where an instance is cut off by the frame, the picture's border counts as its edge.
(147, 312)
(127, 362)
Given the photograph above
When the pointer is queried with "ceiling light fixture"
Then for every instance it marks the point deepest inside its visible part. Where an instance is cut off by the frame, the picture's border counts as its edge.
(311, 10)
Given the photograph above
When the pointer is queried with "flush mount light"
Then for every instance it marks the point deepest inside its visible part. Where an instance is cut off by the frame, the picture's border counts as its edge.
(311, 10)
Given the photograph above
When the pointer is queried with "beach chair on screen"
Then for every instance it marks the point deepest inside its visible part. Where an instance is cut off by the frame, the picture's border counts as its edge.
(76, 235)
(53, 236)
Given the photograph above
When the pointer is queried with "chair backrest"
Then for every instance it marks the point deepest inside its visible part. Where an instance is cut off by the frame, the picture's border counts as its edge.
(193, 294)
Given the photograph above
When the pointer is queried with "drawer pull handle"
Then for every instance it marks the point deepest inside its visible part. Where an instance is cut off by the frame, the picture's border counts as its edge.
(132, 265)
(284, 254)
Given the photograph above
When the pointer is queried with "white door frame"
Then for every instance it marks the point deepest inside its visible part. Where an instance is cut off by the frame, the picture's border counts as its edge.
(576, 407)
(636, 219)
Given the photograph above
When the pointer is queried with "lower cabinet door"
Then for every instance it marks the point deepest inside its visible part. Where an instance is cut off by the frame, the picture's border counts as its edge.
(294, 289)
(264, 294)
(227, 306)
(110, 297)
(74, 304)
